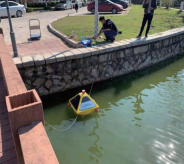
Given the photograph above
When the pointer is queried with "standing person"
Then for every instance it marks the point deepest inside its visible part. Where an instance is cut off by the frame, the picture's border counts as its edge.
(76, 6)
(1, 30)
(149, 7)
(109, 29)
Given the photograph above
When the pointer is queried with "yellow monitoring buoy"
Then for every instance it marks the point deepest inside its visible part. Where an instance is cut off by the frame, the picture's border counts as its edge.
(83, 104)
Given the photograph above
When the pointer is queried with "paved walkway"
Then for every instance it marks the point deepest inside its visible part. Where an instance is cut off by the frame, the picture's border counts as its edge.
(7, 149)
(39, 47)
(48, 42)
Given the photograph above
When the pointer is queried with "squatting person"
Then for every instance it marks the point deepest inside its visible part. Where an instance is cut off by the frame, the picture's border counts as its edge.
(109, 29)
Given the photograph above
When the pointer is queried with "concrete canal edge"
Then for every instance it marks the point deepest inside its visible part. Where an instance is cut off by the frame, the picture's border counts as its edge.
(59, 71)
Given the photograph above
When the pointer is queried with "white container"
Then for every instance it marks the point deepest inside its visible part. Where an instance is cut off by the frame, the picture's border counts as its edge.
(73, 34)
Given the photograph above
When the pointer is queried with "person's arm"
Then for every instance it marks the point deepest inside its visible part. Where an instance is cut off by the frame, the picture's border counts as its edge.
(154, 7)
(101, 31)
(145, 3)
(96, 37)
(108, 29)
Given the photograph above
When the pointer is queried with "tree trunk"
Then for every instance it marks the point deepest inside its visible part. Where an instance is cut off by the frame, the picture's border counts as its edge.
(167, 6)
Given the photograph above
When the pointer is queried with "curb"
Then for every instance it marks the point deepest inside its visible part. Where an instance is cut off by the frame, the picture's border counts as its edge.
(63, 37)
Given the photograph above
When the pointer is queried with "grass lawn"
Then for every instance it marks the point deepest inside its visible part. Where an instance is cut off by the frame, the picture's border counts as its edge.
(130, 25)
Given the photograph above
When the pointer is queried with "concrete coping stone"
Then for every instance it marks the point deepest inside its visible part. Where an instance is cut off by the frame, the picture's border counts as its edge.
(49, 58)
(78, 54)
(109, 48)
(149, 39)
(27, 61)
(18, 62)
(59, 56)
(85, 52)
(123, 44)
(126, 43)
(116, 45)
(135, 42)
(101, 50)
(69, 55)
(94, 51)
(38, 60)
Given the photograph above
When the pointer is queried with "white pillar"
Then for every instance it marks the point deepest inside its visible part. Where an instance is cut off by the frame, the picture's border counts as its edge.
(25, 4)
(160, 5)
(181, 5)
(96, 18)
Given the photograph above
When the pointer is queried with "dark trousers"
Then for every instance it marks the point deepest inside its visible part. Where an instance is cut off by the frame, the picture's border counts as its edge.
(76, 7)
(1, 30)
(147, 17)
(110, 35)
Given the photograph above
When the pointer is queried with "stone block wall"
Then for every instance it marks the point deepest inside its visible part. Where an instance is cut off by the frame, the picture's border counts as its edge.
(60, 71)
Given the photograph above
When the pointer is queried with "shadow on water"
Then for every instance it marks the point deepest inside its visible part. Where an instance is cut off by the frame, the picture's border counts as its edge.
(125, 81)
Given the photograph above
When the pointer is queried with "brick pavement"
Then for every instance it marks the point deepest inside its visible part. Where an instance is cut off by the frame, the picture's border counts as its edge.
(39, 47)
(47, 44)
(7, 147)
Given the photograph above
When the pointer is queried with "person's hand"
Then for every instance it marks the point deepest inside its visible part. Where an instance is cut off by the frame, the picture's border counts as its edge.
(151, 8)
(95, 38)
(101, 31)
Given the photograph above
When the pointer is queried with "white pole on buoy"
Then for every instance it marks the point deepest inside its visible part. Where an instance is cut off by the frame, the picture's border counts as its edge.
(96, 18)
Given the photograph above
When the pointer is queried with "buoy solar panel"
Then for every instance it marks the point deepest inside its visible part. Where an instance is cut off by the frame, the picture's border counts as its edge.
(83, 104)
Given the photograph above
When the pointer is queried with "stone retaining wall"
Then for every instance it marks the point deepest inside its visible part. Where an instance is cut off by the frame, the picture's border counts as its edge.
(60, 71)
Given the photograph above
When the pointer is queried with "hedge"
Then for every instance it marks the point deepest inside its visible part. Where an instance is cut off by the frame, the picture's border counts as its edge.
(28, 10)
(52, 4)
(47, 8)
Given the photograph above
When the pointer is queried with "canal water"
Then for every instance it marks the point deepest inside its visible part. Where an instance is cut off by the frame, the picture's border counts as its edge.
(141, 120)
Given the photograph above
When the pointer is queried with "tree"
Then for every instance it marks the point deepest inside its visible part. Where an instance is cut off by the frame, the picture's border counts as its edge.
(167, 3)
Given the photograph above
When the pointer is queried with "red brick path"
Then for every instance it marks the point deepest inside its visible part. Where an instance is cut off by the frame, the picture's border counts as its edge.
(39, 47)
(7, 148)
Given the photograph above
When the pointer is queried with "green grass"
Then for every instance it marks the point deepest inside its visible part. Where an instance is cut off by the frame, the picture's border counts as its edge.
(129, 25)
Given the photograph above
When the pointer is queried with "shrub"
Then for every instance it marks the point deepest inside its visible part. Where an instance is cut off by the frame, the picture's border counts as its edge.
(28, 10)
(52, 4)
(47, 8)
(29, 5)
(36, 5)
(167, 3)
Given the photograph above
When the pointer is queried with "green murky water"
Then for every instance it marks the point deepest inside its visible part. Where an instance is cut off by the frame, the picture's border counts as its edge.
(141, 120)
